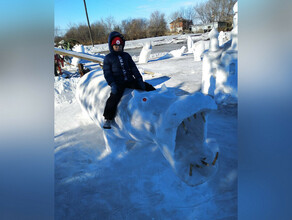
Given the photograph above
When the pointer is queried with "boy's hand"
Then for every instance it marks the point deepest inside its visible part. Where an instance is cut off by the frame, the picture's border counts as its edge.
(141, 84)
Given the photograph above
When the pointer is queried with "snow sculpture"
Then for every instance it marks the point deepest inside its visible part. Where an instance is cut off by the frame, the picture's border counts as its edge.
(178, 52)
(190, 44)
(145, 53)
(223, 38)
(210, 64)
(226, 78)
(198, 49)
(234, 32)
(78, 48)
(174, 123)
(214, 43)
(219, 77)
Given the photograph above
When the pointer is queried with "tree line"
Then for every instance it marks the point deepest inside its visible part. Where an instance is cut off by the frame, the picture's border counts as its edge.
(132, 29)
(156, 25)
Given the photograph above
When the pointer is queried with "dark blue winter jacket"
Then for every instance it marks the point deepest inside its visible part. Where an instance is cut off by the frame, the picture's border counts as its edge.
(112, 68)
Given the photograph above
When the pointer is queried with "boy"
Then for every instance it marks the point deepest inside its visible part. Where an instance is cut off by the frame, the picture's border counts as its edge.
(120, 72)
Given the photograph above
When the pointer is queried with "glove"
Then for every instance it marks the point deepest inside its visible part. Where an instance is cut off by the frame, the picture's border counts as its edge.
(114, 88)
(141, 84)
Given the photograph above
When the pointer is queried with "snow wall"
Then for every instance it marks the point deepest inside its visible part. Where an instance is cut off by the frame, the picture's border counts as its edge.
(220, 66)
(177, 124)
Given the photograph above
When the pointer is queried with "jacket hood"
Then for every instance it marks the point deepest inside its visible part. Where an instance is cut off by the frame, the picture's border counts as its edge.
(111, 36)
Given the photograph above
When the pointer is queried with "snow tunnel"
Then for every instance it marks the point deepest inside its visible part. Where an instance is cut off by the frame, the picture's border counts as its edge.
(176, 123)
(196, 157)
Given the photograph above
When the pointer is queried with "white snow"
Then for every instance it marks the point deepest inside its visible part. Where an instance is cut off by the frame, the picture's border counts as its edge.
(155, 41)
(145, 53)
(77, 48)
(190, 44)
(219, 76)
(214, 42)
(198, 49)
(168, 118)
(104, 178)
(223, 37)
(178, 52)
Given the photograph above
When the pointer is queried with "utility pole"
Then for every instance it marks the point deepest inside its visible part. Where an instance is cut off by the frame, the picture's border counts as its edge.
(88, 23)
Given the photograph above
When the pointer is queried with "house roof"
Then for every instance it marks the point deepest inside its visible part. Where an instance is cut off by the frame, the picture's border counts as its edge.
(178, 20)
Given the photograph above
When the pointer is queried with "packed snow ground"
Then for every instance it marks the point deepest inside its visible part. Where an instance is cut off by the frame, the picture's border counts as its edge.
(140, 185)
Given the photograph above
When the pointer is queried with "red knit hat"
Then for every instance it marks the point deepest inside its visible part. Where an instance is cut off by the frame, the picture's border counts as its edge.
(117, 41)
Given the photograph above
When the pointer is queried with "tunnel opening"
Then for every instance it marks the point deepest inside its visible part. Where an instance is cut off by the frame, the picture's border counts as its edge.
(194, 160)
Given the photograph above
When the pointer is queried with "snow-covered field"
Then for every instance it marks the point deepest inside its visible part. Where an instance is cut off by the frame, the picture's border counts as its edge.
(141, 184)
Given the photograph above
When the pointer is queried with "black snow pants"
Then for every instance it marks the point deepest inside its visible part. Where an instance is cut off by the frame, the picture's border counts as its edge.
(111, 105)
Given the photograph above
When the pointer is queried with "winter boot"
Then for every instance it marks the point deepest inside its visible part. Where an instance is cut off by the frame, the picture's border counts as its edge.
(107, 124)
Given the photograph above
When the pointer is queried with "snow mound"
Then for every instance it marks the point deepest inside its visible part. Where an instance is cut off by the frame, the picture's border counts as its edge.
(65, 90)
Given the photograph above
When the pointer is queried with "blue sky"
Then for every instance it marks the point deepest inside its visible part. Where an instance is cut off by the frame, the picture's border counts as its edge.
(68, 12)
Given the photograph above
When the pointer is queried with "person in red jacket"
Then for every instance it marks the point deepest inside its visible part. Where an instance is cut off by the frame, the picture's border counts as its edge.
(58, 62)
(120, 72)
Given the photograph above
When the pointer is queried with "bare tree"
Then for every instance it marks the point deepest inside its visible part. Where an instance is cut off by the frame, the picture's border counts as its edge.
(201, 15)
(110, 23)
(215, 10)
(80, 33)
(57, 32)
(175, 15)
(188, 13)
(157, 24)
(72, 32)
(100, 31)
(118, 28)
(134, 28)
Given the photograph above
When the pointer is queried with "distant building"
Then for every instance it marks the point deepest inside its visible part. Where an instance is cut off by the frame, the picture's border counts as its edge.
(180, 25)
(219, 25)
